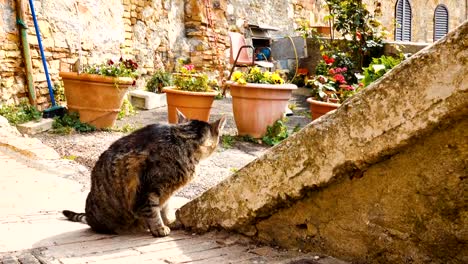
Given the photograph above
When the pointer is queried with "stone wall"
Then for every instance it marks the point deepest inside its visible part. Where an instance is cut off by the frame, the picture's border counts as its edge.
(152, 32)
(422, 16)
(157, 32)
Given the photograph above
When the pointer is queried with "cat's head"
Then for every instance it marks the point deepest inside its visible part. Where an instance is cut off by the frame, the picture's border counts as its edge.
(207, 133)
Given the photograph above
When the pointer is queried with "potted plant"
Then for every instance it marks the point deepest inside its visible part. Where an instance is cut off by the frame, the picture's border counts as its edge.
(97, 93)
(191, 94)
(153, 95)
(158, 81)
(330, 87)
(258, 100)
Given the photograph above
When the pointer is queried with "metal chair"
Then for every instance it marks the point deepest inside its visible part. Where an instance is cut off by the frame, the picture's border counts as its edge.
(239, 55)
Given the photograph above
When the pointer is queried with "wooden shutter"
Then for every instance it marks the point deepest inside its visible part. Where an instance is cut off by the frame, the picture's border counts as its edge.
(440, 22)
(403, 20)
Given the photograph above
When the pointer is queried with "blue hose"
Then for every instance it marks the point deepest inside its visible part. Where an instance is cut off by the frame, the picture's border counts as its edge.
(44, 63)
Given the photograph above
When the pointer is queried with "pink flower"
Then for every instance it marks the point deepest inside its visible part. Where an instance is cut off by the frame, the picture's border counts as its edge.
(189, 67)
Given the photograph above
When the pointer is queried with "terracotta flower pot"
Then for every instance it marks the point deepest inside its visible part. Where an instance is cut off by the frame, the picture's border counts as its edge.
(319, 108)
(194, 105)
(95, 97)
(323, 30)
(257, 106)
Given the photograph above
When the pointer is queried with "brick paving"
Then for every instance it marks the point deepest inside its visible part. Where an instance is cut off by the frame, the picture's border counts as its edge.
(33, 230)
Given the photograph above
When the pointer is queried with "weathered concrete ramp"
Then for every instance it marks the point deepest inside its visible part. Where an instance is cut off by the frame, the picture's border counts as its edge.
(383, 179)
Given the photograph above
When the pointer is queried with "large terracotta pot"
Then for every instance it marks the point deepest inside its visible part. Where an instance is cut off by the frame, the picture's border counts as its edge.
(257, 106)
(319, 108)
(194, 105)
(95, 97)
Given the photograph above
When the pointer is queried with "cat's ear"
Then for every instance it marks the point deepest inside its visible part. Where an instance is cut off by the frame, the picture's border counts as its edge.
(180, 117)
(218, 125)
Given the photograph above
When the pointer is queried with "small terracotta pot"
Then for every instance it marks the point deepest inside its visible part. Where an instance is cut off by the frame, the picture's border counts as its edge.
(323, 30)
(95, 97)
(194, 105)
(257, 106)
(319, 108)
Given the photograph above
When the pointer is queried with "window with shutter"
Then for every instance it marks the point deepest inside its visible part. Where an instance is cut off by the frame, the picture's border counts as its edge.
(440, 22)
(403, 20)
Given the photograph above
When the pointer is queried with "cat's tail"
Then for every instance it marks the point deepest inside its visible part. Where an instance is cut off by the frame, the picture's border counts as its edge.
(75, 217)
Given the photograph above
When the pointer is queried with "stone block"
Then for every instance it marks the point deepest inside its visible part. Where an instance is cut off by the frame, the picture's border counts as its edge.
(147, 100)
(34, 127)
(363, 177)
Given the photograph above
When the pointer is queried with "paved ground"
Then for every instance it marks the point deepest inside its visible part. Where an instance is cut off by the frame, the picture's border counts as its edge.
(86, 148)
(36, 185)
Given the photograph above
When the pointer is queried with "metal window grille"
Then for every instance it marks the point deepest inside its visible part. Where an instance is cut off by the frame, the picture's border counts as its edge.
(441, 20)
(403, 20)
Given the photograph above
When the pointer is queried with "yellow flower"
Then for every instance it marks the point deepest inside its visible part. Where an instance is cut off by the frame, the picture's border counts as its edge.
(236, 76)
(267, 75)
(276, 78)
(255, 70)
(241, 81)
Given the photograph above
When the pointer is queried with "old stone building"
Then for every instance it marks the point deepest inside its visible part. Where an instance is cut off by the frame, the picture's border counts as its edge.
(157, 32)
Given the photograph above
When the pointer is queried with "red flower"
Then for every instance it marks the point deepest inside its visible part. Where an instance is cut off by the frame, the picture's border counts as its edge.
(328, 60)
(358, 35)
(339, 78)
(110, 62)
(331, 71)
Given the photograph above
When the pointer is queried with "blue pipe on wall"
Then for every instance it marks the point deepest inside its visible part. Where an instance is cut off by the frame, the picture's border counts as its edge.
(44, 63)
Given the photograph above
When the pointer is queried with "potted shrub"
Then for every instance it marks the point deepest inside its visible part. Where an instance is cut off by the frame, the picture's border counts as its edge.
(258, 100)
(97, 93)
(329, 87)
(191, 94)
(153, 95)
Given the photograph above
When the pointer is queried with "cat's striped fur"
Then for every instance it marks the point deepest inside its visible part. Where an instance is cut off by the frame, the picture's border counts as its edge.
(133, 179)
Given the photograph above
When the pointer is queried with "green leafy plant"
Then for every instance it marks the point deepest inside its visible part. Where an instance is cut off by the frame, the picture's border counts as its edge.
(378, 67)
(69, 123)
(227, 141)
(126, 109)
(364, 33)
(20, 114)
(255, 75)
(122, 68)
(276, 133)
(188, 79)
(159, 80)
(59, 92)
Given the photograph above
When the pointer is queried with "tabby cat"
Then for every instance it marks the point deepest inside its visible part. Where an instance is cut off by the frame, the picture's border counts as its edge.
(134, 178)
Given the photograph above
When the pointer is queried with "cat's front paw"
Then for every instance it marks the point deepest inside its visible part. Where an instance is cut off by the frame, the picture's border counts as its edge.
(175, 224)
(161, 231)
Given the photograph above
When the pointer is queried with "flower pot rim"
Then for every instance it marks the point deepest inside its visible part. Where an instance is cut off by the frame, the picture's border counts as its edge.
(310, 100)
(285, 86)
(173, 89)
(95, 78)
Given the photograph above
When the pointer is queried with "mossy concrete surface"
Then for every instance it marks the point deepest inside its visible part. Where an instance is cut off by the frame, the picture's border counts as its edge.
(371, 139)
